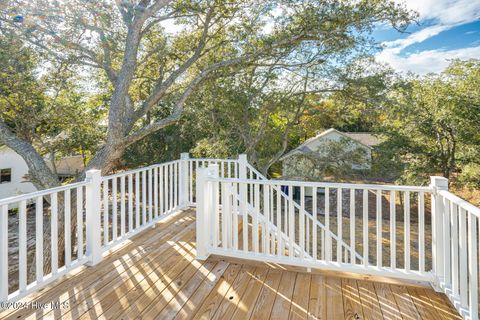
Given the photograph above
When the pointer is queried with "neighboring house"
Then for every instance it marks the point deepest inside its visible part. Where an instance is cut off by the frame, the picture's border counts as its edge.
(13, 171)
(321, 150)
(68, 167)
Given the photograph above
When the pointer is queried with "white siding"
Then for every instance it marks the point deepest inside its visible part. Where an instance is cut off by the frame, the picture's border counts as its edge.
(11, 159)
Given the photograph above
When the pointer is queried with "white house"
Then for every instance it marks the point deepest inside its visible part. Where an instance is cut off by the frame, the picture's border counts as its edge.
(13, 170)
(294, 165)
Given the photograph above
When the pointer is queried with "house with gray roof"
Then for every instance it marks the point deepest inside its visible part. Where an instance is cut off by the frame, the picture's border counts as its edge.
(358, 145)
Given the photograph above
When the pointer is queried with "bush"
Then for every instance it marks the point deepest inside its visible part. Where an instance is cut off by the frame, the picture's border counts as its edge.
(470, 176)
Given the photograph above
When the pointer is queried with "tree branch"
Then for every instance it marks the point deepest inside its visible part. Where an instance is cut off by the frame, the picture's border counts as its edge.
(162, 86)
(177, 111)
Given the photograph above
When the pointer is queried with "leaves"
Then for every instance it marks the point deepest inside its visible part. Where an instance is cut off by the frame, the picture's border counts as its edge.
(433, 122)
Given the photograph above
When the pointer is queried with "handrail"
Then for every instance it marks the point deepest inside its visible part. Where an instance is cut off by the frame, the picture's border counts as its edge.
(211, 159)
(460, 202)
(46, 192)
(318, 223)
(252, 211)
(126, 173)
(330, 185)
(308, 214)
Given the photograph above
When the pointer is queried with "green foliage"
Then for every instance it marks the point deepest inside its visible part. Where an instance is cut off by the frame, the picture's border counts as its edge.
(46, 106)
(211, 149)
(22, 98)
(470, 176)
(258, 54)
(432, 123)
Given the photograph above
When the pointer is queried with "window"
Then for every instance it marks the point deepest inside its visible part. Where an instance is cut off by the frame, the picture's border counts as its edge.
(5, 175)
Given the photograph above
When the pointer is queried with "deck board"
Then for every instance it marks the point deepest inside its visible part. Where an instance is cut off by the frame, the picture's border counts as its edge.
(234, 294)
(390, 310)
(369, 299)
(301, 296)
(264, 305)
(318, 298)
(156, 276)
(352, 304)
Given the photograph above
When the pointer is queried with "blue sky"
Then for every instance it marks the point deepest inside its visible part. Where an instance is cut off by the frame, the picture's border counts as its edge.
(447, 30)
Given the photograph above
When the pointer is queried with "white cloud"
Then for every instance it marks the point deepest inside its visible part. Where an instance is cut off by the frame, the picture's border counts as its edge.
(445, 11)
(447, 14)
(417, 37)
(427, 61)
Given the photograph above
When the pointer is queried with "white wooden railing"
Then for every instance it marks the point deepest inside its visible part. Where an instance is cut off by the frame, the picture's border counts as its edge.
(90, 216)
(456, 224)
(44, 207)
(406, 232)
(322, 241)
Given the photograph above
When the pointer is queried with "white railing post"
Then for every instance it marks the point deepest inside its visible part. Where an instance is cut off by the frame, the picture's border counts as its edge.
(207, 207)
(202, 225)
(438, 183)
(92, 221)
(183, 175)
(242, 175)
(213, 208)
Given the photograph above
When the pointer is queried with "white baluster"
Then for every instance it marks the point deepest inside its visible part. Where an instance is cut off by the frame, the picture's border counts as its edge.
(302, 222)
(462, 232)
(137, 199)
(365, 228)
(38, 239)
(22, 246)
(130, 203)
(114, 209)
(144, 197)
(455, 242)
(393, 231)
(68, 232)
(339, 225)
(421, 231)
(314, 223)
(79, 193)
(122, 206)
(406, 216)
(328, 238)
(4, 252)
(379, 228)
(150, 196)
(54, 232)
(105, 212)
(155, 192)
(352, 227)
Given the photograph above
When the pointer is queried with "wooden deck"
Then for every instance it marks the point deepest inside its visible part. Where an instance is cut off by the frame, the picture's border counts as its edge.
(156, 276)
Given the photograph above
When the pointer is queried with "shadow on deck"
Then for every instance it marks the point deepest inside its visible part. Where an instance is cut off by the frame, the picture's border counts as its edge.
(156, 276)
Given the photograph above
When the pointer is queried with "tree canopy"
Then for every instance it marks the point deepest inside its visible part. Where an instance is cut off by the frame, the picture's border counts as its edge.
(124, 50)
(433, 122)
